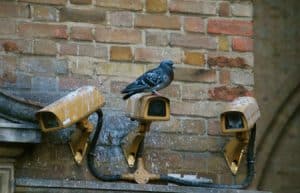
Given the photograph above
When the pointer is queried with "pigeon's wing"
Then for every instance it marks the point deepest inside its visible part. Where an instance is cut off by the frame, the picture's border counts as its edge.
(145, 82)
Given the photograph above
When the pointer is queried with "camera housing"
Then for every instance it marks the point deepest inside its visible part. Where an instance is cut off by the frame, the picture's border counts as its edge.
(238, 117)
(144, 108)
(74, 108)
(148, 107)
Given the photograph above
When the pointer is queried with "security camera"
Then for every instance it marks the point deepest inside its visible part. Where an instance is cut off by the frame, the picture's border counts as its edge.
(144, 108)
(74, 108)
(239, 117)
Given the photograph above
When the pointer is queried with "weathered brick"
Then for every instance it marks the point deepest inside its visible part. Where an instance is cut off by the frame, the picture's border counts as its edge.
(81, 33)
(10, 27)
(224, 9)
(8, 9)
(157, 54)
(203, 108)
(242, 77)
(116, 86)
(135, 5)
(194, 58)
(242, 44)
(45, 65)
(91, 50)
(228, 93)
(44, 47)
(171, 126)
(68, 49)
(16, 45)
(121, 19)
(194, 24)
(172, 91)
(194, 75)
(224, 77)
(92, 15)
(154, 38)
(156, 6)
(53, 2)
(81, 2)
(193, 41)
(217, 164)
(82, 66)
(191, 143)
(230, 27)
(247, 58)
(132, 70)
(44, 13)
(108, 35)
(23, 80)
(214, 127)
(161, 21)
(43, 30)
(41, 82)
(223, 43)
(119, 53)
(223, 61)
(195, 91)
(8, 66)
(193, 126)
(70, 83)
(196, 7)
(243, 9)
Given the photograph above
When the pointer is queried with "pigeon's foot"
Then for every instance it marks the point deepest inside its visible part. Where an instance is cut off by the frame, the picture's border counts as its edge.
(157, 93)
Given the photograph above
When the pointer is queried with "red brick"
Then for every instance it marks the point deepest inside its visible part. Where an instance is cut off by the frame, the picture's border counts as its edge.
(135, 5)
(92, 15)
(44, 47)
(81, 2)
(194, 75)
(52, 2)
(156, 38)
(157, 21)
(43, 30)
(10, 46)
(194, 24)
(120, 53)
(10, 27)
(43, 13)
(230, 27)
(121, 19)
(227, 93)
(193, 41)
(194, 58)
(223, 61)
(16, 45)
(242, 44)
(81, 33)
(156, 6)
(224, 9)
(196, 7)
(157, 54)
(68, 49)
(109, 35)
(14, 10)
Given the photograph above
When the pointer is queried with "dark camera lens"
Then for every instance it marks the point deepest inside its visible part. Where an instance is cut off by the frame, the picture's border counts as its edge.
(233, 120)
(157, 108)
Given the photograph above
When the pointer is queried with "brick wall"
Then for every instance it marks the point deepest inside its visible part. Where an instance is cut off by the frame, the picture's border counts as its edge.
(51, 47)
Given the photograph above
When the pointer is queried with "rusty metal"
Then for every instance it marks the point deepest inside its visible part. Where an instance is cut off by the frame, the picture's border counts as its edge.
(73, 108)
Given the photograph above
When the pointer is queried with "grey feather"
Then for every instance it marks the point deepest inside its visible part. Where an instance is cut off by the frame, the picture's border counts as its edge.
(152, 80)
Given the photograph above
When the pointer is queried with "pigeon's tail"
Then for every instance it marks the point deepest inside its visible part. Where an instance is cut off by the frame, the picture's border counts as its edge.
(125, 97)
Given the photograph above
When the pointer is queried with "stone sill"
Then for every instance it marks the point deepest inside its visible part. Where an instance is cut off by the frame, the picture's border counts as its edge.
(29, 185)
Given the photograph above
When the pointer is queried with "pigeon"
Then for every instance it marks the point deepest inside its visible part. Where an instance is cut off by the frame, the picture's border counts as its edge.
(152, 80)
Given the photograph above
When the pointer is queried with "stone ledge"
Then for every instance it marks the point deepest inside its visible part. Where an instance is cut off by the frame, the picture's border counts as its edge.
(29, 185)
